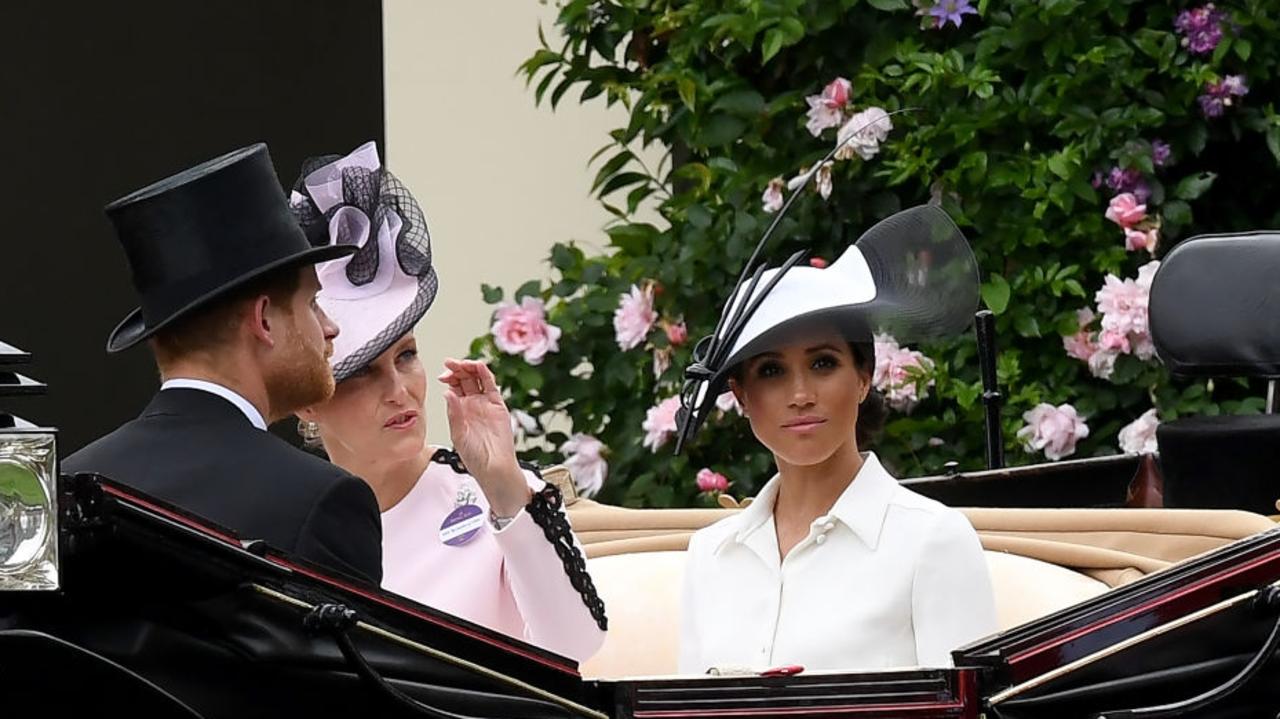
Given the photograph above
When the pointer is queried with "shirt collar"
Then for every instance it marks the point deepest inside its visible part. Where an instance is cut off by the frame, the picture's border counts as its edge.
(230, 395)
(861, 507)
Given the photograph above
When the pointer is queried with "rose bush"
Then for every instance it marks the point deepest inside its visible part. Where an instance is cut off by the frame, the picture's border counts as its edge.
(1074, 141)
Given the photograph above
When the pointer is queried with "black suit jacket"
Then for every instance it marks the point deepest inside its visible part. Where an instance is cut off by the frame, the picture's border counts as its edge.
(198, 451)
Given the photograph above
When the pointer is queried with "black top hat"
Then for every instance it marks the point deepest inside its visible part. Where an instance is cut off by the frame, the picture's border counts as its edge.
(193, 237)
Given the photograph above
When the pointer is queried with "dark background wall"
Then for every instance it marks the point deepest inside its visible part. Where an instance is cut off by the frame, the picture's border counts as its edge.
(102, 98)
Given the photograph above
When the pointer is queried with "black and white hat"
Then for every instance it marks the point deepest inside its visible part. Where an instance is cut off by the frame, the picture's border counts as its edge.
(912, 275)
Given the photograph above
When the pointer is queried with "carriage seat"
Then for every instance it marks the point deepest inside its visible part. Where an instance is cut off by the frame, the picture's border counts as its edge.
(1041, 560)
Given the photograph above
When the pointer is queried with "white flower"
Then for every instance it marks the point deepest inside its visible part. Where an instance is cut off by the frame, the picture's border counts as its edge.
(1139, 436)
(522, 421)
(867, 129)
(772, 197)
(661, 361)
(821, 179)
(584, 458)
(726, 401)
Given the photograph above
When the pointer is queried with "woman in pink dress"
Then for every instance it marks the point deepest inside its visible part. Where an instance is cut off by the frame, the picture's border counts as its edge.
(468, 530)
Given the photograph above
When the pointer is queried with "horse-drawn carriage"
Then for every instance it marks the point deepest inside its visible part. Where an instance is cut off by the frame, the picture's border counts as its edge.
(111, 600)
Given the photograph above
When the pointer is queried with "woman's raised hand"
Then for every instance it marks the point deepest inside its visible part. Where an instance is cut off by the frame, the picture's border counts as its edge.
(480, 429)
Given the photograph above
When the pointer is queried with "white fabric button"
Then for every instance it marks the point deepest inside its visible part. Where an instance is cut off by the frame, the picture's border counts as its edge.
(830, 526)
(821, 538)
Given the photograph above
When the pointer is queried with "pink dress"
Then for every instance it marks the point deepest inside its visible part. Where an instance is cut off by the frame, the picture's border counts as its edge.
(511, 580)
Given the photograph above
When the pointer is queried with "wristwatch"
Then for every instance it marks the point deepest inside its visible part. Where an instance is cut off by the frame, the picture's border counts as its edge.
(500, 523)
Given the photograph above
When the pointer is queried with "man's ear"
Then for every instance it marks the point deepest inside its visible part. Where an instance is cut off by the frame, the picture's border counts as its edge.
(261, 317)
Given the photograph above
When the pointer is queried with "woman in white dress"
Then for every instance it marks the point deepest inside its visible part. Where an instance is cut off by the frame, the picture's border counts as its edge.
(834, 566)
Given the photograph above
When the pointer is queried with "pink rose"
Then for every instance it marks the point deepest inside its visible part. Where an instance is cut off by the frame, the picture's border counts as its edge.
(584, 458)
(897, 373)
(709, 481)
(1139, 436)
(660, 423)
(1141, 240)
(772, 197)
(1125, 210)
(677, 333)
(818, 262)
(1123, 304)
(827, 110)
(1080, 345)
(523, 329)
(1055, 430)
(634, 317)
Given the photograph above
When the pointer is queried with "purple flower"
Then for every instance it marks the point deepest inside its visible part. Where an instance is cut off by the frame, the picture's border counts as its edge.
(1129, 180)
(1211, 106)
(945, 11)
(1201, 28)
(1218, 95)
(1234, 85)
(1160, 153)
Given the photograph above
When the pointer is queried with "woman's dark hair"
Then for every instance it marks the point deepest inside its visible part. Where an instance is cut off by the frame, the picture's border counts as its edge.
(873, 411)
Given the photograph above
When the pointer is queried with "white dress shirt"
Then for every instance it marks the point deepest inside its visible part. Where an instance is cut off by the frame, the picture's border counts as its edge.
(888, 578)
(229, 395)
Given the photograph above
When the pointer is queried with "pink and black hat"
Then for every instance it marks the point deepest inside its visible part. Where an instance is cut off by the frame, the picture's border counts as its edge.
(379, 293)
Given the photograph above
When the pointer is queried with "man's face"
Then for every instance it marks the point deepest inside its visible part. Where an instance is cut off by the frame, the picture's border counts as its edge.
(298, 373)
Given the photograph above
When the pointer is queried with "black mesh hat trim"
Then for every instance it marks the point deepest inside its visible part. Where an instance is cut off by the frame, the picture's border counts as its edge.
(376, 193)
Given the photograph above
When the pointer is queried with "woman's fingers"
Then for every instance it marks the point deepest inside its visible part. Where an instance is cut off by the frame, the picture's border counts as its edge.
(469, 376)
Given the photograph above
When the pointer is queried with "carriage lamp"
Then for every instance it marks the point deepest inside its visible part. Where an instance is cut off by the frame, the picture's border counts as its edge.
(28, 516)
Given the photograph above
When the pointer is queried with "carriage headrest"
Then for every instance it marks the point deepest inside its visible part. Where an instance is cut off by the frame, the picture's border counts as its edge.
(1215, 306)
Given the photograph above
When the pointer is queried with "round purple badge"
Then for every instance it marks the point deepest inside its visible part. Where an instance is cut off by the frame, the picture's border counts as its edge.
(462, 525)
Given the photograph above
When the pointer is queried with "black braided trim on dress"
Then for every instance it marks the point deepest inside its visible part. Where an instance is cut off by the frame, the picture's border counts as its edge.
(454, 460)
(546, 509)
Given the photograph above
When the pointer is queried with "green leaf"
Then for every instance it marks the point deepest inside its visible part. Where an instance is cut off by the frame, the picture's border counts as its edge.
(614, 164)
(1176, 213)
(1243, 48)
(532, 288)
(888, 5)
(564, 256)
(530, 378)
(772, 44)
(622, 180)
(1273, 142)
(721, 129)
(741, 102)
(699, 216)
(1197, 136)
(1193, 186)
(995, 293)
(1060, 166)
(632, 239)
(492, 295)
(1027, 326)
(688, 90)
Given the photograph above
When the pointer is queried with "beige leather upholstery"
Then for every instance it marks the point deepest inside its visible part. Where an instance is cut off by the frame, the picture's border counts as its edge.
(1041, 560)
(642, 593)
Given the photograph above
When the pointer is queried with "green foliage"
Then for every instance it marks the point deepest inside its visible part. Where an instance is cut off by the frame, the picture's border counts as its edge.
(1017, 112)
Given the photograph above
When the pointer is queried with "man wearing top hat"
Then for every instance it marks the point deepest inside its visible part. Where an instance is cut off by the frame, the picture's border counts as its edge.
(227, 285)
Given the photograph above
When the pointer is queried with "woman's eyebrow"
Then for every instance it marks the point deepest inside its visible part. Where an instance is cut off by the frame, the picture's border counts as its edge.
(819, 348)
